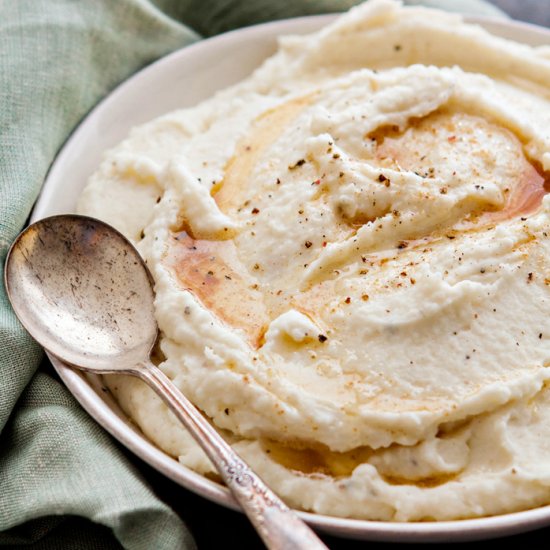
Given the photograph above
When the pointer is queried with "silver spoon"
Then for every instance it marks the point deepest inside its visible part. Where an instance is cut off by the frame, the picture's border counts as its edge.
(83, 292)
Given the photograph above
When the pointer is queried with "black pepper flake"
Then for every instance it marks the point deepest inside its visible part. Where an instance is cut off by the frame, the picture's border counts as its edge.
(529, 277)
(187, 310)
(308, 244)
(226, 411)
(348, 300)
(322, 338)
(540, 336)
(228, 277)
(298, 163)
(382, 178)
(210, 273)
(402, 245)
(255, 211)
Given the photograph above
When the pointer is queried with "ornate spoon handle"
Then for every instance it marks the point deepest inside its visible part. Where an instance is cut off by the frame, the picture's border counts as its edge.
(279, 527)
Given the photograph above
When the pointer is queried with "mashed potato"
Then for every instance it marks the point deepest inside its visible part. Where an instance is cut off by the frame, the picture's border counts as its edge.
(352, 267)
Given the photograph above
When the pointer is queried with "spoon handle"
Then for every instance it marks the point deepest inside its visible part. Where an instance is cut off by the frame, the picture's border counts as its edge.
(278, 526)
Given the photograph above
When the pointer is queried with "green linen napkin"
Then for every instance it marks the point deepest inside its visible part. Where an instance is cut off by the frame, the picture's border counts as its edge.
(57, 59)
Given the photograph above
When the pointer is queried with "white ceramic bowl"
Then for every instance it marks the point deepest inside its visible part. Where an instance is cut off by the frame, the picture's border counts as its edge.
(182, 79)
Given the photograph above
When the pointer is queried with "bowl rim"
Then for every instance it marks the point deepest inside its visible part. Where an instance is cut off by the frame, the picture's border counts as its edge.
(88, 389)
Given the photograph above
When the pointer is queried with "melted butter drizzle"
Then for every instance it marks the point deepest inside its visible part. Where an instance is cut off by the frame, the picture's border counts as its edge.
(526, 197)
(317, 461)
(213, 273)
(266, 129)
(396, 147)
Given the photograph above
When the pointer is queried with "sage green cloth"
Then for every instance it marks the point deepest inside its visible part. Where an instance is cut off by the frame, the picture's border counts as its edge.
(57, 59)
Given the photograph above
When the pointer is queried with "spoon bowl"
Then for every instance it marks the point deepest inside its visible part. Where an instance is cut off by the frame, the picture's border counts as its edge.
(83, 292)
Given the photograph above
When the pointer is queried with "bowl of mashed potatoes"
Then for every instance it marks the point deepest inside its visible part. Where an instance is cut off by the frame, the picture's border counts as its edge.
(350, 251)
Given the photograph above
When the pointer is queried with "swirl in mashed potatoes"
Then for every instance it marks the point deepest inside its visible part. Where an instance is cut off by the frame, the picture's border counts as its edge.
(352, 267)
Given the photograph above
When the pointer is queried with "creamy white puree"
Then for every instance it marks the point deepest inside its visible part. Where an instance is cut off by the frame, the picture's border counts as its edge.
(351, 258)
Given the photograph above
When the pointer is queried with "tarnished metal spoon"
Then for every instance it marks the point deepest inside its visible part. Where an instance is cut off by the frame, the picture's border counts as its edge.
(83, 292)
